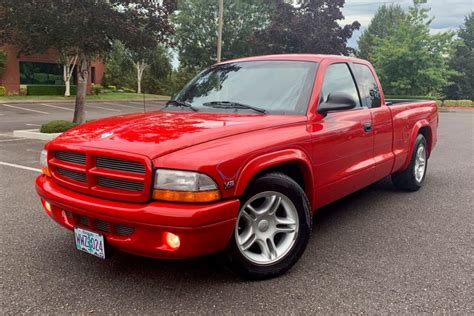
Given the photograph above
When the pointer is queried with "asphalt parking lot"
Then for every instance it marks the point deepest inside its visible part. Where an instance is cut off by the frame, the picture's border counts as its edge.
(376, 251)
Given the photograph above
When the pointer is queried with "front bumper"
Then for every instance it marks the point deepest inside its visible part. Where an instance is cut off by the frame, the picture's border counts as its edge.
(202, 228)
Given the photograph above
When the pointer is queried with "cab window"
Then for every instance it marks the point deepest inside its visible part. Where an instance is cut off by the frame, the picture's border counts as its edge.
(368, 88)
(338, 78)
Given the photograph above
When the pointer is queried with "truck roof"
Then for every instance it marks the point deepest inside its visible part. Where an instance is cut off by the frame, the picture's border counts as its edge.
(299, 57)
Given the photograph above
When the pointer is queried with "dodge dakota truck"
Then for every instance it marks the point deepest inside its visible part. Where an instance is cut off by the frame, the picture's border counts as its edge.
(236, 163)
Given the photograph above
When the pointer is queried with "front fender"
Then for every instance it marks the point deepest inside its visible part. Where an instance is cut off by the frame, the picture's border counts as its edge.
(273, 159)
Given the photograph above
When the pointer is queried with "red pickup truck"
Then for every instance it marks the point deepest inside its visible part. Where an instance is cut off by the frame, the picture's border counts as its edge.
(237, 162)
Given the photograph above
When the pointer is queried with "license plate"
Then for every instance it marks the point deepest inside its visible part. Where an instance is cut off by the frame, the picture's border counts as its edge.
(90, 242)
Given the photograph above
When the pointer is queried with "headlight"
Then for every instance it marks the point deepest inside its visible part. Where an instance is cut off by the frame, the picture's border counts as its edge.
(184, 186)
(44, 163)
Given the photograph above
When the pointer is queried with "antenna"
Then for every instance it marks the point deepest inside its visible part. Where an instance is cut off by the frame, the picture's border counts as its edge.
(144, 103)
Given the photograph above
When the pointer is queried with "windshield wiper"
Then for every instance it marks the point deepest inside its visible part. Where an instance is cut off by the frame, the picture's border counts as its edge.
(183, 104)
(233, 105)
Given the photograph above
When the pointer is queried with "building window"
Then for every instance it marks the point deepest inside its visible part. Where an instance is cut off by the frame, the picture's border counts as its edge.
(92, 74)
(41, 73)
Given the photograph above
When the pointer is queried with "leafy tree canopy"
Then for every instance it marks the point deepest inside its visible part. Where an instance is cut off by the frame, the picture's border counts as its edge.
(462, 61)
(196, 29)
(309, 27)
(411, 61)
(385, 21)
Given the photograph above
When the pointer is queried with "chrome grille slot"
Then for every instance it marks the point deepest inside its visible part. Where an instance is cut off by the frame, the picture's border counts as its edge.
(123, 230)
(118, 164)
(71, 174)
(120, 184)
(72, 157)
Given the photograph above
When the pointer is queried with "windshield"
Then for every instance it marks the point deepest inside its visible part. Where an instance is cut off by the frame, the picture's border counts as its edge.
(272, 86)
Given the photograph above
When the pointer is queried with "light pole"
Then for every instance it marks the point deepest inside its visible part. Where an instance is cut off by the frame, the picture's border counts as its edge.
(219, 30)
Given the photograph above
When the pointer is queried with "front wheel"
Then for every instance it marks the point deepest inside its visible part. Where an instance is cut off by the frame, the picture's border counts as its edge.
(272, 229)
(412, 178)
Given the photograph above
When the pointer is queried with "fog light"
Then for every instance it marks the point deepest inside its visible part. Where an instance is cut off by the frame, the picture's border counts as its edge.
(172, 240)
(47, 206)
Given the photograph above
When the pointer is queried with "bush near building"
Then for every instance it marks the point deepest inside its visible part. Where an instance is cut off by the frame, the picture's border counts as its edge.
(49, 90)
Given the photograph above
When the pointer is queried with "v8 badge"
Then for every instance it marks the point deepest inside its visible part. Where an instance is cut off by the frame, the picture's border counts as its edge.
(229, 184)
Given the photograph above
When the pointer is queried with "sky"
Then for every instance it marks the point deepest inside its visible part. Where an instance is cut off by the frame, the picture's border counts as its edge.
(448, 14)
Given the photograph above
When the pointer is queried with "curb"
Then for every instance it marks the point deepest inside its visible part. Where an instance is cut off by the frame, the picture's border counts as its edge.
(34, 134)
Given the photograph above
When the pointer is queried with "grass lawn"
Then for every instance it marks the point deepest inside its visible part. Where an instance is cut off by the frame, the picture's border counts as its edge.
(105, 96)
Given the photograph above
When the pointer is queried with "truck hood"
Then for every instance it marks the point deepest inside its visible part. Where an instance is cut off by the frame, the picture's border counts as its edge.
(157, 133)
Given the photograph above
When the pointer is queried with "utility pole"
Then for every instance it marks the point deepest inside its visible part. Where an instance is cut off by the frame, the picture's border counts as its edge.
(219, 30)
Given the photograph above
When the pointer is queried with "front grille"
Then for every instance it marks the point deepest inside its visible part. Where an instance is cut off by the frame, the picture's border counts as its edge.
(108, 178)
(120, 184)
(71, 174)
(102, 226)
(69, 156)
(118, 164)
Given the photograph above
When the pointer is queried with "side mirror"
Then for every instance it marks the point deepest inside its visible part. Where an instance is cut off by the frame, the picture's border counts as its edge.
(337, 101)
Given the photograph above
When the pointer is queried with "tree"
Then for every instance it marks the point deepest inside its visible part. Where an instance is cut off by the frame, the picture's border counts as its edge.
(462, 61)
(119, 69)
(3, 61)
(385, 21)
(309, 27)
(69, 63)
(411, 61)
(196, 30)
(85, 27)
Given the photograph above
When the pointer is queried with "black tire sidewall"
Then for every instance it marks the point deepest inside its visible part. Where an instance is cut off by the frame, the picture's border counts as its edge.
(285, 185)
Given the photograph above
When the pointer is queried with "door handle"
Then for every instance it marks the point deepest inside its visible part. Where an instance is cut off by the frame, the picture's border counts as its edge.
(367, 127)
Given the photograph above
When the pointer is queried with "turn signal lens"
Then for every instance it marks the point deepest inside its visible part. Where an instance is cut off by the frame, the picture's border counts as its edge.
(172, 240)
(44, 163)
(187, 196)
(45, 171)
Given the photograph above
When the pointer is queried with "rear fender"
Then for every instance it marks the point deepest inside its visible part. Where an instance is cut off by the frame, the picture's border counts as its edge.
(267, 161)
(416, 130)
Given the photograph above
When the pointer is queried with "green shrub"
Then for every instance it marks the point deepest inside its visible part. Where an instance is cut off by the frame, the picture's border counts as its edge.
(23, 91)
(112, 88)
(465, 103)
(439, 103)
(129, 90)
(49, 90)
(450, 103)
(57, 126)
(97, 89)
(3, 91)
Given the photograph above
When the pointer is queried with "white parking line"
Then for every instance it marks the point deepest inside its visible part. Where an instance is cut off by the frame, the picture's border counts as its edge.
(18, 166)
(28, 124)
(11, 140)
(123, 105)
(99, 107)
(17, 107)
(57, 107)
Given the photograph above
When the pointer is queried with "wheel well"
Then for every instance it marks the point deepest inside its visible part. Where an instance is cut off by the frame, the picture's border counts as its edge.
(426, 132)
(291, 169)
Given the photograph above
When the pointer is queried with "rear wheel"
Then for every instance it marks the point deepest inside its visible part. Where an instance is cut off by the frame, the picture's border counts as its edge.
(412, 178)
(272, 229)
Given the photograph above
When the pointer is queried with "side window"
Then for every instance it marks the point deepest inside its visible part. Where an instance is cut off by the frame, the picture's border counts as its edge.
(368, 88)
(338, 78)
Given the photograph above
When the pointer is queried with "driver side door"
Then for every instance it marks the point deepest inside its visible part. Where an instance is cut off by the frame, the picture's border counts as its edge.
(342, 141)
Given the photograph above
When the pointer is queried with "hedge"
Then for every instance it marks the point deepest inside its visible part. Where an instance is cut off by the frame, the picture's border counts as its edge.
(411, 97)
(3, 91)
(57, 126)
(458, 103)
(49, 90)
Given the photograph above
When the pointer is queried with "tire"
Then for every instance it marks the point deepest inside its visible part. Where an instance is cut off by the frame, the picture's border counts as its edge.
(410, 179)
(272, 229)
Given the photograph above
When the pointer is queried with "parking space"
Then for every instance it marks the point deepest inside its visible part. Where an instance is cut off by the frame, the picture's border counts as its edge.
(31, 115)
(376, 251)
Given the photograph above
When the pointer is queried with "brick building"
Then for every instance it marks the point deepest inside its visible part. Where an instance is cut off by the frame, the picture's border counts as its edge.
(40, 69)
